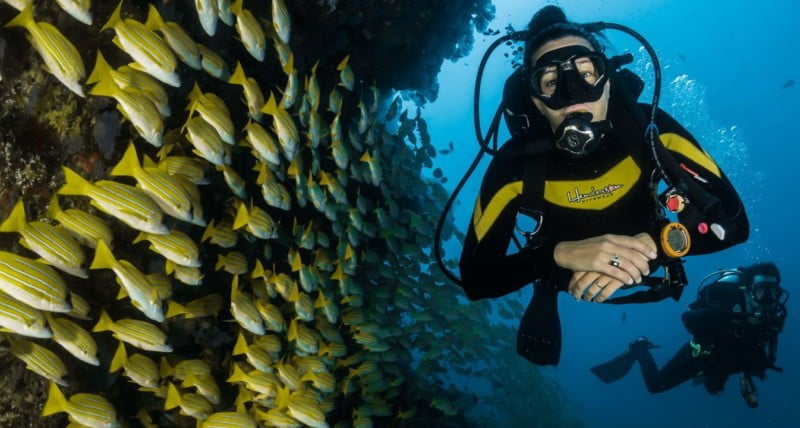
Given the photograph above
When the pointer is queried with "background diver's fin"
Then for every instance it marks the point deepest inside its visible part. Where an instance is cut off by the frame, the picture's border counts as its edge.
(539, 334)
(615, 368)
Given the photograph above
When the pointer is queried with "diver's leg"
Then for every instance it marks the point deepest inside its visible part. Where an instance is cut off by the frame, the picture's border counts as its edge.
(682, 367)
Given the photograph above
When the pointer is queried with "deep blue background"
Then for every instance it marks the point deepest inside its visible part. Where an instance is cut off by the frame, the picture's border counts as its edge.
(725, 64)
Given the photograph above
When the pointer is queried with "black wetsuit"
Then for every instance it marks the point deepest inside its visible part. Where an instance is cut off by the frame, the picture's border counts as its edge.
(606, 192)
(728, 343)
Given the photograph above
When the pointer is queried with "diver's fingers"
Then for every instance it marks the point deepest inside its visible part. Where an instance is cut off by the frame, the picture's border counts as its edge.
(579, 282)
(617, 266)
(607, 291)
(634, 244)
(596, 287)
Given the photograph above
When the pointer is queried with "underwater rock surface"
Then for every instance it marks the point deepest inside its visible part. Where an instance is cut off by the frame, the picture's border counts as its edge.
(296, 285)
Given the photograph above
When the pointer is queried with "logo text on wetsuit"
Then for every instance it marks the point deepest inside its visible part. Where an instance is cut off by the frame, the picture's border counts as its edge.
(592, 194)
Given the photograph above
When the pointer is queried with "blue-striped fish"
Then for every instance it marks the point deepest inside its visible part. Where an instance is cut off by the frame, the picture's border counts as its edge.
(162, 284)
(140, 334)
(284, 127)
(132, 281)
(224, 12)
(202, 307)
(205, 384)
(176, 246)
(207, 142)
(147, 49)
(33, 283)
(191, 404)
(312, 88)
(303, 337)
(214, 111)
(317, 129)
(176, 37)
(140, 369)
(38, 359)
(221, 235)
(213, 64)
(272, 316)
(54, 245)
(306, 409)
(21, 319)
(185, 274)
(281, 20)
(234, 181)
(84, 227)
(257, 356)
(89, 410)
(346, 76)
(256, 221)
(250, 31)
(234, 263)
(228, 420)
(74, 338)
(252, 92)
(290, 93)
(207, 13)
(275, 194)
(190, 168)
(264, 146)
(263, 383)
(134, 82)
(244, 310)
(78, 9)
(60, 56)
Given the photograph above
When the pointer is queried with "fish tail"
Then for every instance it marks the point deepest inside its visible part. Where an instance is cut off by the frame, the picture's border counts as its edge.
(164, 151)
(174, 309)
(164, 369)
(119, 359)
(129, 164)
(271, 107)
(209, 232)
(241, 345)
(261, 167)
(24, 18)
(105, 323)
(16, 220)
(101, 69)
(366, 157)
(238, 374)
(54, 210)
(148, 162)
(238, 77)
(291, 334)
(154, 20)
(115, 18)
(169, 267)
(103, 258)
(142, 236)
(289, 68)
(343, 64)
(236, 7)
(105, 86)
(173, 397)
(234, 287)
(56, 402)
(242, 218)
(220, 262)
(122, 293)
(194, 95)
(74, 183)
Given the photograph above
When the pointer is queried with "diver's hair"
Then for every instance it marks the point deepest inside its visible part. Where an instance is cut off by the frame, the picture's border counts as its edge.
(763, 268)
(550, 23)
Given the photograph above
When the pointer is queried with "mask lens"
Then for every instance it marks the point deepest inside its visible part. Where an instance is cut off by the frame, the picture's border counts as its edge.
(590, 68)
(585, 69)
(545, 80)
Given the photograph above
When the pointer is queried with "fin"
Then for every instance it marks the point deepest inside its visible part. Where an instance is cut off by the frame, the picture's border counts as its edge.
(164, 369)
(154, 20)
(291, 334)
(289, 68)
(122, 293)
(105, 323)
(241, 345)
(147, 162)
(539, 334)
(220, 262)
(297, 264)
(616, 368)
(119, 359)
(258, 270)
(103, 258)
(24, 18)
(54, 210)
(142, 236)
(16, 220)
(105, 87)
(238, 77)
(208, 232)
(129, 164)
(242, 217)
(74, 183)
(173, 397)
(366, 157)
(195, 94)
(56, 402)
(238, 375)
(169, 267)
(236, 7)
(114, 19)
(174, 309)
(343, 64)
(271, 107)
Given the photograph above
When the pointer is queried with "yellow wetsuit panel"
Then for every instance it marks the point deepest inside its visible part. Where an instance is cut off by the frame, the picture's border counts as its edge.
(597, 193)
(678, 144)
(483, 220)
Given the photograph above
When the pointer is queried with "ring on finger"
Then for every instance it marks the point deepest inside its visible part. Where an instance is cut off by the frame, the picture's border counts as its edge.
(614, 260)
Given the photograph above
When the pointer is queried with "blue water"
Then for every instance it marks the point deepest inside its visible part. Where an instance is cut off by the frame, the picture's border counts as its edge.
(725, 66)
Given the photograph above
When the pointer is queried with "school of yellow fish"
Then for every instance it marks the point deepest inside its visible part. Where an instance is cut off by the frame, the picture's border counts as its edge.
(339, 295)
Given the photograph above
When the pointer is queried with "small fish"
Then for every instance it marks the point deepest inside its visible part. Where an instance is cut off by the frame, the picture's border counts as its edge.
(140, 369)
(306, 409)
(214, 111)
(312, 88)
(189, 168)
(21, 319)
(275, 194)
(257, 356)
(375, 169)
(38, 359)
(234, 263)
(256, 221)
(176, 246)
(203, 307)
(213, 64)
(303, 337)
(317, 129)
(207, 13)
(205, 384)
(284, 127)
(235, 182)
(89, 410)
(341, 154)
(78, 9)
(334, 188)
(32, 283)
(281, 20)
(789, 83)
(193, 405)
(228, 420)
(283, 50)
(140, 334)
(162, 284)
(185, 274)
(335, 101)
(224, 12)
(54, 245)
(132, 281)
(74, 338)
(303, 305)
(272, 316)
(250, 31)
(145, 47)
(290, 93)
(60, 56)
(207, 142)
(264, 146)
(221, 235)
(244, 310)
(176, 37)
(84, 227)
(346, 76)
(252, 92)
(263, 383)
(135, 82)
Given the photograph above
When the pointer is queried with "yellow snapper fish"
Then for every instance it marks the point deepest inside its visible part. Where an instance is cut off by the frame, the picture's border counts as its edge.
(176, 37)
(317, 129)
(60, 56)
(264, 146)
(257, 356)
(346, 76)
(74, 338)
(203, 307)
(221, 235)
(290, 93)
(275, 194)
(272, 316)
(281, 20)
(140, 369)
(205, 384)
(207, 13)
(252, 92)
(133, 282)
(185, 274)
(190, 168)
(213, 64)
(234, 263)
(234, 181)
(17, 317)
(88, 410)
(132, 81)
(224, 12)
(214, 111)
(312, 88)
(138, 108)
(228, 420)
(54, 245)
(284, 127)
(176, 246)
(84, 227)
(306, 409)
(38, 359)
(140, 334)
(244, 310)
(207, 142)
(145, 47)
(169, 195)
(303, 337)
(250, 31)
(191, 404)
(256, 221)
(162, 284)
(33, 283)
(263, 383)
(80, 307)
(78, 9)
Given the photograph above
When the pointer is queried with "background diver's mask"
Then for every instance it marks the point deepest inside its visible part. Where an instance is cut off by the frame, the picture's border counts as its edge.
(567, 76)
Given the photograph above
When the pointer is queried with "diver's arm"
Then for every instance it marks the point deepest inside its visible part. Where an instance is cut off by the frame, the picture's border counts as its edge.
(697, 166)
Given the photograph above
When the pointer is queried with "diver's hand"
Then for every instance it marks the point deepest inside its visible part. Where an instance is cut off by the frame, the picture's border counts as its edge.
(595, 255)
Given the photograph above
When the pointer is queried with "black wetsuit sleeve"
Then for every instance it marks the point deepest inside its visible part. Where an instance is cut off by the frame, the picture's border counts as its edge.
(487, 271)
(698, 167)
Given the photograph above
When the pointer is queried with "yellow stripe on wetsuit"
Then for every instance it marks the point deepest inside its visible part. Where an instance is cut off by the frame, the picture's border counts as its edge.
(678, 144)
(484, 219)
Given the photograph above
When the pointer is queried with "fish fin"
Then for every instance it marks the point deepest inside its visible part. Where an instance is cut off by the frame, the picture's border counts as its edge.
(366, 157)
(103, 257)
(271, 107)
(258, 270)
(289, 68)
(238, 374)
(54, 210)
(105, 323)
(24, 18)
(122, 293)
(129, 164)
(154, 20)
(56, 402)
(236, 7)
(147, 162)
(195, 94)
(208, 232)
(74, 183)
(105, 87)
(242, 218)
(241, 345)
(16, 220)
(343, 64)
(174, 309)
(164, 369)
(101, 69)
(119, 359)
(169, 267)
(173, 397)
(142, 236)
(238, 77)
(115, 18)
(234, 287)
(297, 263)
(220, 262)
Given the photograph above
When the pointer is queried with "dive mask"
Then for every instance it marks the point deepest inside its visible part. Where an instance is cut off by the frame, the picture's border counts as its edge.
(567, 76)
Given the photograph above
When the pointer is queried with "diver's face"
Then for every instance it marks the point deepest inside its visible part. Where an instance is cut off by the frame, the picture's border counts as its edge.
(598, 109)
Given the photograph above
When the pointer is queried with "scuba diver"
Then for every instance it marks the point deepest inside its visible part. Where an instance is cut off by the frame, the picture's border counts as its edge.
(576, 187)
(734, 324)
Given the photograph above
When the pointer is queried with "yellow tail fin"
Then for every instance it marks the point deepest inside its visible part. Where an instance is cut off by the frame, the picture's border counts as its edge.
(343, 64)
(236, 7)
(271, 107)
(56, 402)
(238, 77)
(142, 236)
(74, 183)
(105, 323)
(115, 18)
(173, 397)
(241, 345)
(54, 210)
(147, 162)
(154, 20)
(164, 369)
(289, 68)
(103, 258)
(119, 359)
(169, 267)
(220, 262)
(208, 232)
(258, 270)
(24, 19)
(174, 309)
(101, 70)
(129, 164)
(297, 263)
(195, 94)
(16, 220)
(122, 293)
(105, 87)
(292, 333)
(234, 287)
(238, 375)
(242, 218)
